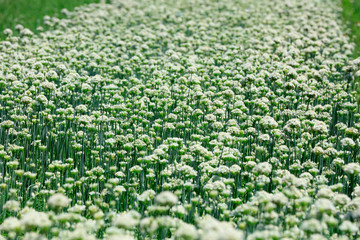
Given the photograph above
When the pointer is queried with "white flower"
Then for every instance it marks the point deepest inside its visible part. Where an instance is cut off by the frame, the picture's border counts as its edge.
(268, 122)
(26, 32)
(149, 224)
(166, 198)
(351, 168)
(11, 224)
(12, 206)
(341, 199)
(51, 75)
(264, 138)
(325, 193)
(147, 196)
(235, 169)
(186, 232)
(8, 32)
(48, 85)
(127, 220)
(317, 237)
(311, 226)
(347, 142)
(293, 123)
(79, 233)
(212, 229)
(265, 234)
(263, 168)
(178, 210)
(26, 100)
(42, 99)
(34, 236)
(119, 189)
(318, 150)
(33, 219)
(77, 209)
(86, 87)
(349, 227)
(58, 201)
(319, 126)
(120, 236)
(324, 205)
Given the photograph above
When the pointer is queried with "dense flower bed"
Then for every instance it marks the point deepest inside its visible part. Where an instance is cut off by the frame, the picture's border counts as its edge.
(202, 119)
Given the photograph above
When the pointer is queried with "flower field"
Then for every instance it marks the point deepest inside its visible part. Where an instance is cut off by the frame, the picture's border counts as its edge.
(184, 120)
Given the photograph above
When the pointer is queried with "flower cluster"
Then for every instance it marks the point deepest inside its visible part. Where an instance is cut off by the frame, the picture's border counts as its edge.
(186, 120)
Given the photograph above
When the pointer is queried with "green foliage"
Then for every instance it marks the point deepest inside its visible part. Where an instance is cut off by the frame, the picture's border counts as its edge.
(30, 13)
(351, 13)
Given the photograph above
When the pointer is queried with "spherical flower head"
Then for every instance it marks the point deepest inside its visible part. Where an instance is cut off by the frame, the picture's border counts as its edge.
(235, 169)
(352, 131)
(268, 122)
(148, 224)
(58, 201)
(77, 209)
(26, 32)
(127, 220)
(147, 196)
(178, 210)
(26, 100)
(356, 192)
(292, 125)
(263, 168)
(166, 198)
(12, 206)
(48, 85)
(325, 193)
(210, 228)
(120, 236)
(317, 236)
(311, 226)
(7, 124)
(186, 232)
(318, 150)
(264, 138)
(341, 199)
(51, 75)
(279, 199)
(349, 227)
(80, 232)
(351, 168)
(118, 190)
(33, 236)
(347, 143)
(11, 224)
(32, 219)
(324, 205)
(265, 234)
(8, 32)
(42, 99)
(228, 94)
(319, 127)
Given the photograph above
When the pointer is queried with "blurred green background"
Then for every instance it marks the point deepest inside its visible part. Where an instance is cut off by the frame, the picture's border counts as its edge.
(30, 13)
(351, 15)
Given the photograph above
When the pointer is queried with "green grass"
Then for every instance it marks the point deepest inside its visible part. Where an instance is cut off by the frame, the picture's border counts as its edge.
(351, 17)
(30, 13)
(351, 14)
